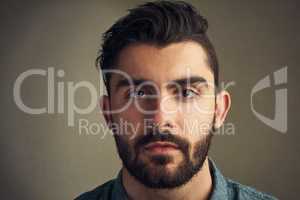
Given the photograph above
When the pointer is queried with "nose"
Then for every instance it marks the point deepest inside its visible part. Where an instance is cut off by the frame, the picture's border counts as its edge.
(164, 113)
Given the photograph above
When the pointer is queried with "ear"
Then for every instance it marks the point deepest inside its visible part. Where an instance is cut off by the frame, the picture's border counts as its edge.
(223, 103)
(105, 107)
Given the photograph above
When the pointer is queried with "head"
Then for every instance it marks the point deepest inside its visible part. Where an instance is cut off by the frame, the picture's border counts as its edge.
(163, 105)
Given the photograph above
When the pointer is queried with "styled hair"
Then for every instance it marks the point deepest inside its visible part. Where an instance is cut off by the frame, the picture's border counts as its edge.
(159, 23)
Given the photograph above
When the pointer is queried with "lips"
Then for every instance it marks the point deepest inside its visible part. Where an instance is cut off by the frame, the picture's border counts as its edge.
(160, 147)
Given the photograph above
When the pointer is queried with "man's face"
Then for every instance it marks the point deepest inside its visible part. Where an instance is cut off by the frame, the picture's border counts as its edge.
(163, 116)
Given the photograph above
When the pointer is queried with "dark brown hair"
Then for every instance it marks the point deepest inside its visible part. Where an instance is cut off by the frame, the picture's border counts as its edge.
(159, 23)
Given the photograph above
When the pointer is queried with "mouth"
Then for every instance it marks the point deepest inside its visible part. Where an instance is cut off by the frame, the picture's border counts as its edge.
(161, 147)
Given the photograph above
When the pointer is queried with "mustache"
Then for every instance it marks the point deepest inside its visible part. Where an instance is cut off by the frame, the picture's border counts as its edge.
(162, 136)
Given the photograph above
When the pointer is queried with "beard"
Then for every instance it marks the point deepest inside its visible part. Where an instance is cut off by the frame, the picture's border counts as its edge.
(159, 176)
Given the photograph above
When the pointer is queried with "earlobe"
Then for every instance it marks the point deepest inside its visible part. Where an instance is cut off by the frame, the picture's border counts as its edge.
(223, 103)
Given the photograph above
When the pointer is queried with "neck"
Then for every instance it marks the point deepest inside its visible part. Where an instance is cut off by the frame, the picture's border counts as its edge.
(198, 188)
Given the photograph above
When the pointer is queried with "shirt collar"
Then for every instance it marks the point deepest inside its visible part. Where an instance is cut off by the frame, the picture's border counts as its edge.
(119, 191)
(219, 190)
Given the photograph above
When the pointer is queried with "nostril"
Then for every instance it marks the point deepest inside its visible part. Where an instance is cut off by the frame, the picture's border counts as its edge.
(168, 125)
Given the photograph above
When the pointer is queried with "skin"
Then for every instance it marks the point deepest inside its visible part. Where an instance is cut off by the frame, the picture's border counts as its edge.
(173, 110)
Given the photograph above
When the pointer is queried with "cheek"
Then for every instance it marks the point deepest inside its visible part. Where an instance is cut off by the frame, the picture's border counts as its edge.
(129, 124)
(195, 125)
(203, 106)
(197, 116)
(131, 109)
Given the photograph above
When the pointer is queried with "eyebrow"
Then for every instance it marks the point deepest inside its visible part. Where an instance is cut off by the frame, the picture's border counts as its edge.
(125, 83)
(181, 81)
(187, 81)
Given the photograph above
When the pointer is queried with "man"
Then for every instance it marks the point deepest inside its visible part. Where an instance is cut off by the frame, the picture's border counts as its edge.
(161, 74)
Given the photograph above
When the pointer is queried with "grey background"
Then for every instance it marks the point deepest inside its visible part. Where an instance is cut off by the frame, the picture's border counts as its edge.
(43, 158)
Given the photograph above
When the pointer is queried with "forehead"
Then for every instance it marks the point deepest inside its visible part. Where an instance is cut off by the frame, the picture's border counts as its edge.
(164, 64)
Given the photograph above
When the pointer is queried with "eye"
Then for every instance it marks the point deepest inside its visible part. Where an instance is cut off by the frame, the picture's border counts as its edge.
(137, 93)
(188, 93)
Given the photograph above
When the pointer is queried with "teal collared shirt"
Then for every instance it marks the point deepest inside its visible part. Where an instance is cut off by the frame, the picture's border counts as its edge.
(223, 189)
